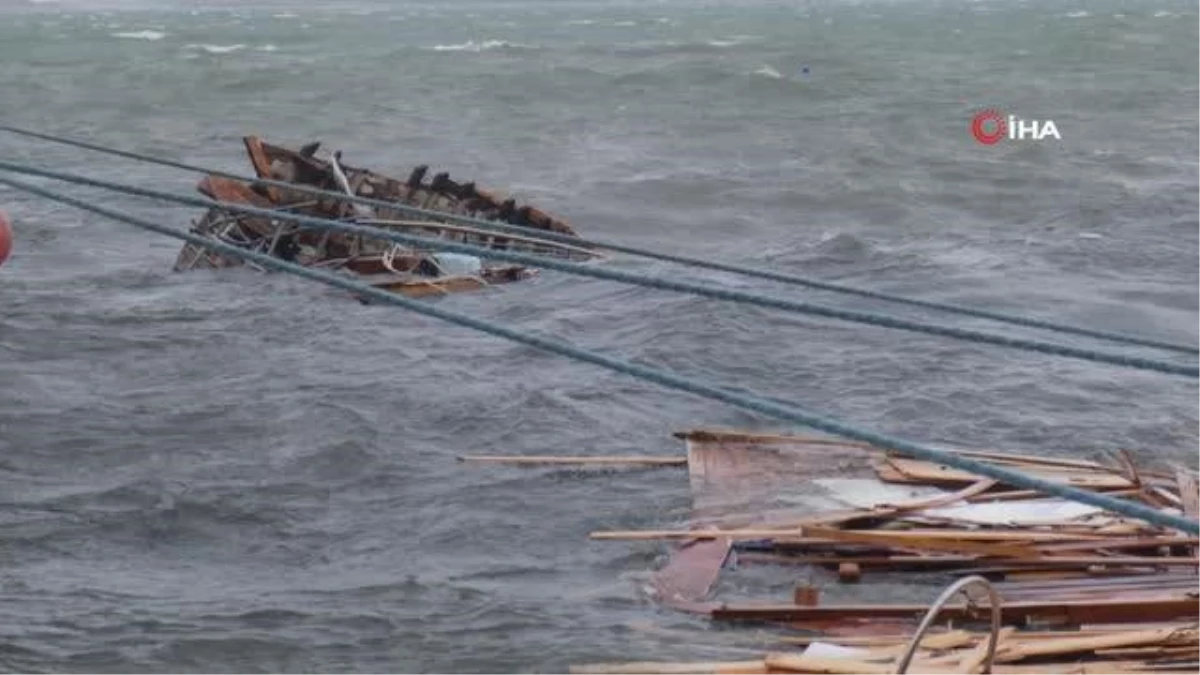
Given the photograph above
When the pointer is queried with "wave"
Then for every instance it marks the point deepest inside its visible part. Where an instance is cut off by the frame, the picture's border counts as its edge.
(668, 48)
(218, 49)
(152, 35)
(486, 45)
(731, 40)
(768, 71)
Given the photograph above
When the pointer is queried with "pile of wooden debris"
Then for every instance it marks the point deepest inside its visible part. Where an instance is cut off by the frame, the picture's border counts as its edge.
(1073, 588)
(384, 264)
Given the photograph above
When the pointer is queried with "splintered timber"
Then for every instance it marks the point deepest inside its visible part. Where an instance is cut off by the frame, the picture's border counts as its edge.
(1071, 588)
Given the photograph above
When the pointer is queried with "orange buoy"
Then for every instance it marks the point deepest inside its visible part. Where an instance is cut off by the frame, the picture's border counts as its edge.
(6, 238)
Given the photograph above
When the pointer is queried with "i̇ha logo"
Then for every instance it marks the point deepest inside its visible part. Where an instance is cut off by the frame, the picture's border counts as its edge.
(991, 126)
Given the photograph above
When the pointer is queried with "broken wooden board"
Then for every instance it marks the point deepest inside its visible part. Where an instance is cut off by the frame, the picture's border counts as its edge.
(687, 579)
(1068, 612)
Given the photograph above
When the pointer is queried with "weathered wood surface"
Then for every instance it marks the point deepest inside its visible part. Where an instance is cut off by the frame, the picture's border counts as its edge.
(439, 194)
(413, 273)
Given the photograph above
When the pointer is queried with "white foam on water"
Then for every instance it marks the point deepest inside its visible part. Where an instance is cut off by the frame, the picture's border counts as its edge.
(486, 45)
(285, 15)
(218, 49)
(1162, 12)
(152, 35)
(1078, 15)
(624, 23)
(768, 71)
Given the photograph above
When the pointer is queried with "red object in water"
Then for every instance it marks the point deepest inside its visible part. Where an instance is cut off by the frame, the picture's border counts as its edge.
(6, 238)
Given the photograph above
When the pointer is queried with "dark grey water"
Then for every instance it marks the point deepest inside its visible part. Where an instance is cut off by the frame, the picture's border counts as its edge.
(226, 472)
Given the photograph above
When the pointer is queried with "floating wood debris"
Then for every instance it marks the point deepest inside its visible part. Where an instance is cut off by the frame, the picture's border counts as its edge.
(384, 264)
(1079, 589)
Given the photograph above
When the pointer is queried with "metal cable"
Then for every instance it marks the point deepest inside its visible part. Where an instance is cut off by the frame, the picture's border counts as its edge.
(780, 411)
(770, 275)
(869, 318)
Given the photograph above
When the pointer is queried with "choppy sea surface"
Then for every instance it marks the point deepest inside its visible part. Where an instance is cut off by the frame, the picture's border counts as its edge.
(234, 472)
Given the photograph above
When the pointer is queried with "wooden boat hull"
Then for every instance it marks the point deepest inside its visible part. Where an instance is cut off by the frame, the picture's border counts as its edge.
(439, 194)
(384, 264)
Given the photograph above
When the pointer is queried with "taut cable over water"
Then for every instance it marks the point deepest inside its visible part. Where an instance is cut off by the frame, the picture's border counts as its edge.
(769, 275)
(663, 378)
(869, 318)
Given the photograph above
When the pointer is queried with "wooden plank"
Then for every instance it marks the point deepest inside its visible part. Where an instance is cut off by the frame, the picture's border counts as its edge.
(261, 163)
(903, 540)
(1189, 496)
(419, 288)
(691, 573)
(1076, 611)
(1013, 495)
(736, 436)
(1018, 651)
(1119, 544)
(805, 663)
(671, 668)
(930, 473)
(231, 191)
(650, 535)
(739, 436)
(796, 535)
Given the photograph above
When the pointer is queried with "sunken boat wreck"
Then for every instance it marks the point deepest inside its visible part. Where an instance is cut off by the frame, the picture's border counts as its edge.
(384, 264)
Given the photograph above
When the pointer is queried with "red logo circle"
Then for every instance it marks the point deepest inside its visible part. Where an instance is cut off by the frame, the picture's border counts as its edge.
(988, 127)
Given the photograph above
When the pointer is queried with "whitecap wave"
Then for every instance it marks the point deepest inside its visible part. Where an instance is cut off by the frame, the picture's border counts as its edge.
(768, 71)
(1078, 15)
(486, 45)
(218, 49)
(152, 35)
